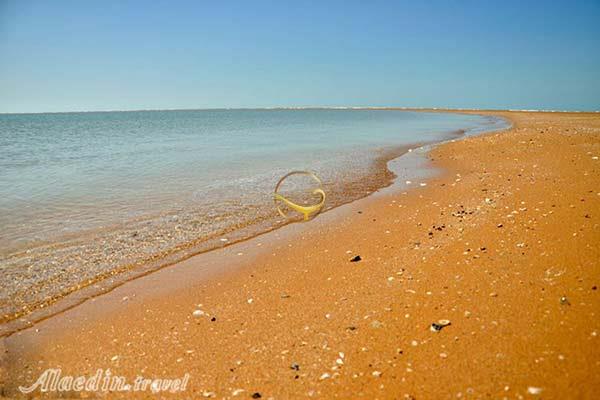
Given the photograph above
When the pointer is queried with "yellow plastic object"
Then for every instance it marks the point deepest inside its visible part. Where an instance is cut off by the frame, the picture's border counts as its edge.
(306, 211)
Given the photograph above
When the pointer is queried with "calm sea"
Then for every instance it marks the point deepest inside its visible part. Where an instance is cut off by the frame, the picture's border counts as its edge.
(86, 193)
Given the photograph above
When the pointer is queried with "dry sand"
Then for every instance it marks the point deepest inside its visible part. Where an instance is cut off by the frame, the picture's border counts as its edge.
(505, 244)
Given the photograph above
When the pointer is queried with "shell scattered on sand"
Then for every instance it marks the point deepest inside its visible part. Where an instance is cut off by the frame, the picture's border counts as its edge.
(438, 326)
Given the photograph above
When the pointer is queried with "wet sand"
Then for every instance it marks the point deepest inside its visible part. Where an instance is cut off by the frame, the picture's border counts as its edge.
(50, 278)
(505, 244)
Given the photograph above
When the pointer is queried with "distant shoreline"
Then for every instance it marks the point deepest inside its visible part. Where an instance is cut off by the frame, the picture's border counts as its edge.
(291, 108)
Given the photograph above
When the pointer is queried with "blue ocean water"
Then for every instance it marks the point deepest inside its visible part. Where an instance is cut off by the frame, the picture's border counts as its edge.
(84, 194)
(65, 173)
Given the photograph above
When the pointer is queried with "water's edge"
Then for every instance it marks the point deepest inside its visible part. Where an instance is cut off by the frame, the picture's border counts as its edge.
(388, 178)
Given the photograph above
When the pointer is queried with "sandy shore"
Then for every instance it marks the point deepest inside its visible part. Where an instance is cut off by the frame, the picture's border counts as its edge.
(505, 244)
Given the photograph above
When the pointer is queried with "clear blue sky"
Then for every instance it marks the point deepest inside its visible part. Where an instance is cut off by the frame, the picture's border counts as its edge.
(107, 55)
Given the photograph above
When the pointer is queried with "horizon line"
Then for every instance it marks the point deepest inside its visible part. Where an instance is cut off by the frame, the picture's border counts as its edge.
(275, 108)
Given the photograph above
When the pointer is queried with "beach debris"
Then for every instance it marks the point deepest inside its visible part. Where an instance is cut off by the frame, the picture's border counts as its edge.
(324, 376)
(422, 184)
(198, 313)
(237, 391)
(376, 324)
(564, 301)
(285, 296)
(209, 394)
(377, 374)
(443, 355)
(438, 326)
(256, 395)
(114, 358)
(295, 366)
(534, 390)
(356, 258)
(250, 301)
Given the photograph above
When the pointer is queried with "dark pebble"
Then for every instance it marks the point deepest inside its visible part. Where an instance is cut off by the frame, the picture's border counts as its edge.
(355, 259)
(213, 319)
(256, 395)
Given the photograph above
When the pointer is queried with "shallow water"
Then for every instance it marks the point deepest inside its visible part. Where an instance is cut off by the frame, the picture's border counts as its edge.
(87, 195)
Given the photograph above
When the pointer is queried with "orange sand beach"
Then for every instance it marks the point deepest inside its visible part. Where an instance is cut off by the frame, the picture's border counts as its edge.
(479, 283)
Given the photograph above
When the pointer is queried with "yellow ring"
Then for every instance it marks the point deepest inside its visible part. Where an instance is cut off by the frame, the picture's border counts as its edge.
(306, 211)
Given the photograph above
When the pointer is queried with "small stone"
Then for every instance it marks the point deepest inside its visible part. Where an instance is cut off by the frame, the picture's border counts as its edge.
(564, 301)
(324, 376)
(355, 259)
(377, 374)
(295, 366)
(256, 395)
(250, 301)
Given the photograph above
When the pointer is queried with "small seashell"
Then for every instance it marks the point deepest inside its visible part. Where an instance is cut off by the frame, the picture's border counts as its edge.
(534, 390)
(438, 326)
(376, 324)
(198, 313)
